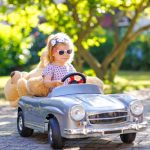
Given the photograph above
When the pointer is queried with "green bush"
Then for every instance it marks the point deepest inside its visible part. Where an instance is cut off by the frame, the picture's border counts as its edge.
(13, 52)
(137, 55)
(38, 42)
(104, 49)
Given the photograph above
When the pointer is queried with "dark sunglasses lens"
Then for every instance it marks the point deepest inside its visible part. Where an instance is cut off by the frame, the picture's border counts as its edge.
(69, 51)
(61, 52)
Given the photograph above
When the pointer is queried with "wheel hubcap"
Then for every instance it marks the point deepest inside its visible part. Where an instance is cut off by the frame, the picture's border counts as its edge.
(50, 135)
(20, 123)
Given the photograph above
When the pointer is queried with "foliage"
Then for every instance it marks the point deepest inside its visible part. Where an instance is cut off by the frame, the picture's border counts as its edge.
(134, 10)
(12, 53)
(38, 42)
(15, 39)
(105, 48)
(139, 53)
(84, 21)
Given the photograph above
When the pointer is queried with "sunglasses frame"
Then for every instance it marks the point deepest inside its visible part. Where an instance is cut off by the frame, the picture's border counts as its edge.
(62, 52)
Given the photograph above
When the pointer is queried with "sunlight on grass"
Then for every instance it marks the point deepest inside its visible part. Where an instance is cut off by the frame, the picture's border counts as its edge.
(90, 72)
(129, 80)
(125, 81)
(3, 80)
(135, 75)
(137, 79)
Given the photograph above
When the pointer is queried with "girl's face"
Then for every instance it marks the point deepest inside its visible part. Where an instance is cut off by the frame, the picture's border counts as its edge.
(61, 53)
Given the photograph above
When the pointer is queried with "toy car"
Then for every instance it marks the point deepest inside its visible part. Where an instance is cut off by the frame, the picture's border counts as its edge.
(80, 110)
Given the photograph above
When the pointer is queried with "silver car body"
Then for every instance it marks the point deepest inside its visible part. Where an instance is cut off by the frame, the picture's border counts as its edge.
(104, 114)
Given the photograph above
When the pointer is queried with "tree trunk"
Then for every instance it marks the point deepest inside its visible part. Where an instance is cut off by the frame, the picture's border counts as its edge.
(116, 65)
(119, 52)
(78, 62)
(93, 63)
(125, 41)
(110, 58)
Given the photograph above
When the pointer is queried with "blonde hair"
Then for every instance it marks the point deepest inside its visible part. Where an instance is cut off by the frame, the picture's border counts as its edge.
(57, 39)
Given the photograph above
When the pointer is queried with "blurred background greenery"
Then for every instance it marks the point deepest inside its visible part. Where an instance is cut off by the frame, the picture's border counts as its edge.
(112, 38)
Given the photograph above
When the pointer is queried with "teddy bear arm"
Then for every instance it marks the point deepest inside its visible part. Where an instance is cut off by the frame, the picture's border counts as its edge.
(96, 81)
(36, 87)
(52, 84)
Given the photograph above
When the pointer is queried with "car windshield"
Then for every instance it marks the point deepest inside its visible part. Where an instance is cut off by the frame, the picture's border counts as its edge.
(76, 89)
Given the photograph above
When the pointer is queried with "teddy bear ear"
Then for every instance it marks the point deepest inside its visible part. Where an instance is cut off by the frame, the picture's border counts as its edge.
(12, 74)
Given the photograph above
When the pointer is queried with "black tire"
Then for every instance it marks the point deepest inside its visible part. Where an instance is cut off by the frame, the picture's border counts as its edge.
(128, 138)
(23, 131)
(54, 134)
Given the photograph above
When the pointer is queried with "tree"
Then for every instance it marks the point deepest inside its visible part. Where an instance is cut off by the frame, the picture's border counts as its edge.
(82, 21)
(115, 58)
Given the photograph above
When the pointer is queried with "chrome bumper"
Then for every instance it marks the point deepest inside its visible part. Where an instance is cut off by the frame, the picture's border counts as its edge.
(118, 130)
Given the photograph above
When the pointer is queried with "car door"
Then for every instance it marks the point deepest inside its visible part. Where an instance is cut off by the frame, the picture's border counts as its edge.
(27, 110)
(32, 111)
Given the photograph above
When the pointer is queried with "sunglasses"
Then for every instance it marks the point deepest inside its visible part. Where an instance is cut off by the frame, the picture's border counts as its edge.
(62, 52)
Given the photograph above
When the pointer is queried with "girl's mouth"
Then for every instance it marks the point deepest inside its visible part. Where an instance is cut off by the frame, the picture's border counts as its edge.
(65, 58)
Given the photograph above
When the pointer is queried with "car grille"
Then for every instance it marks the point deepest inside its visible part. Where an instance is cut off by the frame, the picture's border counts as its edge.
(108, 118)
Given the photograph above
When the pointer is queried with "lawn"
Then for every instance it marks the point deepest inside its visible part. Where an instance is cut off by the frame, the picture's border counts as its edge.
(124, 81)
(130, 80)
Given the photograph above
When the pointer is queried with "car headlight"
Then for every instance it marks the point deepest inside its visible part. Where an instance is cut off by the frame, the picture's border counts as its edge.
(136, 108)
(77, 112)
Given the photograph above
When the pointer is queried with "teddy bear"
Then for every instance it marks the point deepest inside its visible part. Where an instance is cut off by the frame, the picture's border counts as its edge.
(31, 83)
(10, 89)
(95, 80)
(26, 83)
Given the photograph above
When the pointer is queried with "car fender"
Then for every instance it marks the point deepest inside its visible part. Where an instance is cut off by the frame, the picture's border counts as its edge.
(124, 98)
(53, 110)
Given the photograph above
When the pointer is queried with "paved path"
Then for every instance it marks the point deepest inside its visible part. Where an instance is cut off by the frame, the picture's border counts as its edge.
(10, 139)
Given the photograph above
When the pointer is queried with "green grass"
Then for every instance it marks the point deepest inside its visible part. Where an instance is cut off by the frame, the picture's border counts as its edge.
(135, 75)
(126, 81)
(129, 80)
(3, 80)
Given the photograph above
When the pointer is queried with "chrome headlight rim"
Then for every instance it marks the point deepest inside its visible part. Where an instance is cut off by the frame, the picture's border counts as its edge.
(136, 108)
(77, 112)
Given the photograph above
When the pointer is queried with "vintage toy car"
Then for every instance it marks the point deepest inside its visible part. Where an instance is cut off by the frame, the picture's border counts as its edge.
(78, 111)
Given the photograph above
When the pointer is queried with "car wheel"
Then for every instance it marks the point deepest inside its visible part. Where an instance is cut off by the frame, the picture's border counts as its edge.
(54, 134)
(23, 131)
(128, 138)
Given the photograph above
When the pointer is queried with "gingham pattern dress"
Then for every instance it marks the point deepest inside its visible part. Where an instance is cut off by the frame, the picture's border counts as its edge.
(58, 72)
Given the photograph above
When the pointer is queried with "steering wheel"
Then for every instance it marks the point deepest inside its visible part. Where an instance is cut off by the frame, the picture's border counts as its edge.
(72, 80)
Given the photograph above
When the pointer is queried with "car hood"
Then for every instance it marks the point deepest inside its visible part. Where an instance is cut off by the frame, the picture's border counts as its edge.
(90, 102)
(99, 101)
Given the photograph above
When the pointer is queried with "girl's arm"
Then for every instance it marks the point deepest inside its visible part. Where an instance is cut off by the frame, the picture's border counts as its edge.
(49, 83)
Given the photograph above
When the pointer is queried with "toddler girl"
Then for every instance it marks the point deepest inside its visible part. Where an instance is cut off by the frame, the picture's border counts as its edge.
(60, 55)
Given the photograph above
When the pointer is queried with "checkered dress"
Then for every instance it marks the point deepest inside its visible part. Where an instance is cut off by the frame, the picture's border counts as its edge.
(58, 72)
